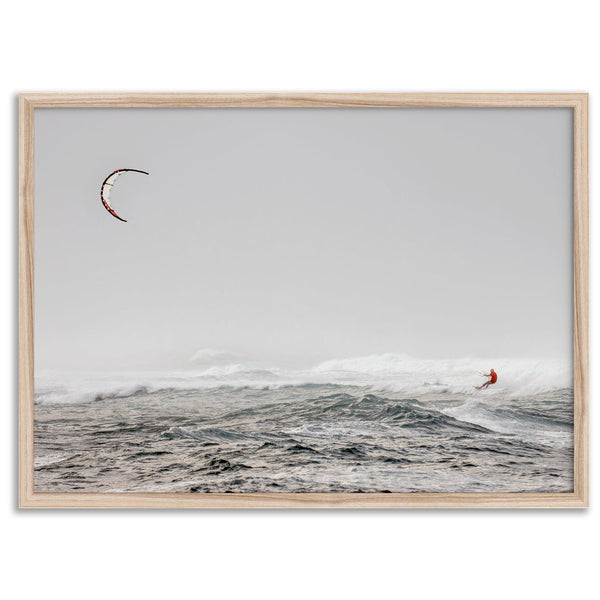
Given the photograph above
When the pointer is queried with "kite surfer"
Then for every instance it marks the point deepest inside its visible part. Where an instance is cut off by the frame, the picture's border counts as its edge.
(493, 377)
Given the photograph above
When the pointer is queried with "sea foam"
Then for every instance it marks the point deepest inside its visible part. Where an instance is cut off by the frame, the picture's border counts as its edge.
(398, 373)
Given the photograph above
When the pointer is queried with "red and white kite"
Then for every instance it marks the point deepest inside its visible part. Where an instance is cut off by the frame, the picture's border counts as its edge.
(106, 188)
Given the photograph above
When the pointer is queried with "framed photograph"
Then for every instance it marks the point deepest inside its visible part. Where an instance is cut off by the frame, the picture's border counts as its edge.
(303, 300)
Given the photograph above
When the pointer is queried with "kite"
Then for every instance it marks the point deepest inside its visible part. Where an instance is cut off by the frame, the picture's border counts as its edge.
(107, 187)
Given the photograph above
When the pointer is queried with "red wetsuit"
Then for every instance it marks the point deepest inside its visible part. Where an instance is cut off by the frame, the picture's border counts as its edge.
(494, 377)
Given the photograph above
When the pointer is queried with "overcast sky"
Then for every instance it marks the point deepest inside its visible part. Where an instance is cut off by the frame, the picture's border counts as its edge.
(298, 235)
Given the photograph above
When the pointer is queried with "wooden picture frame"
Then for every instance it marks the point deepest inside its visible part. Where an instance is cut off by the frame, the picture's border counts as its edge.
(28, 498)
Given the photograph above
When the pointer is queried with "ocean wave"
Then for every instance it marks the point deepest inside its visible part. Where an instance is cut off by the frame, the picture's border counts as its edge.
(84, 394)
(399, 372)
(407, 413)
(51, 459)
(390, 373)
(239, 372)
(338, 417)
(207, 434)
(507, 419)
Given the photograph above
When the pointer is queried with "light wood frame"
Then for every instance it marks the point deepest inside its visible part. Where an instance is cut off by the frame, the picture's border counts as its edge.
(578, 102)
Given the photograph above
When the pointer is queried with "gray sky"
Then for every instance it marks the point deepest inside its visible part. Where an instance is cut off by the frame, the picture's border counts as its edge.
(298, 235)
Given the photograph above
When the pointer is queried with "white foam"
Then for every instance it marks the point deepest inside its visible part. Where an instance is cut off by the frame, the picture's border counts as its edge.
(475, 411)
(238, 371)
(50, 459)
(385, 372)
(403, 373)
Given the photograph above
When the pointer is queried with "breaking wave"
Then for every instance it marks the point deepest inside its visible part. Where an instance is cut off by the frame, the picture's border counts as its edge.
(397, 373)
(400, 372)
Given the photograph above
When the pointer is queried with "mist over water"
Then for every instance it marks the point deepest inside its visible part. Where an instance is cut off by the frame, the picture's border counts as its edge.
(370, 424)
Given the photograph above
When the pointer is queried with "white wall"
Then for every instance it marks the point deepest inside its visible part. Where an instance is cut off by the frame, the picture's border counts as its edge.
(309, 45)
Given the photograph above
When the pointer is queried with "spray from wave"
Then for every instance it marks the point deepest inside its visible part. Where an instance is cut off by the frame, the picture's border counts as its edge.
(396, 373)
(399, 372)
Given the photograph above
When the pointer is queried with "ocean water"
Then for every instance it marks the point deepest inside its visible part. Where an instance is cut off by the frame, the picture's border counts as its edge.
(384, 423)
